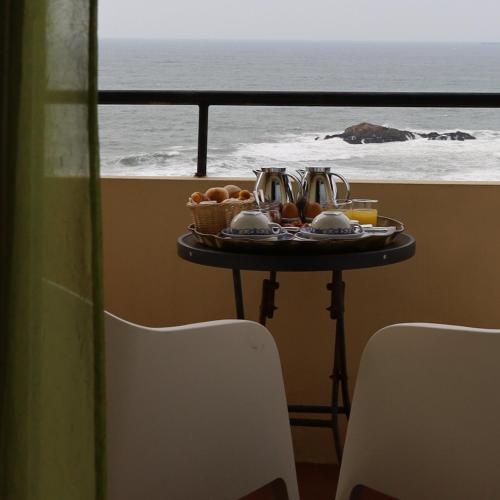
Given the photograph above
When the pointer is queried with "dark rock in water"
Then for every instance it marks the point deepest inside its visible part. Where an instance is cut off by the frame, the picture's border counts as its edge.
(366, 133)
(448, 136)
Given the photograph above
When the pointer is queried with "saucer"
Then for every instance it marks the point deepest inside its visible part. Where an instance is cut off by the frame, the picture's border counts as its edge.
(380, 230)
(306, 233)
(283, 234)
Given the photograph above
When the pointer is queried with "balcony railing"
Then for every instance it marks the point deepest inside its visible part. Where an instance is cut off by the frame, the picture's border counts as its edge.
(205, 98)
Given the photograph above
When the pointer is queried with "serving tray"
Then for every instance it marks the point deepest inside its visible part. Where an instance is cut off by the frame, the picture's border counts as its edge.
(301, 246)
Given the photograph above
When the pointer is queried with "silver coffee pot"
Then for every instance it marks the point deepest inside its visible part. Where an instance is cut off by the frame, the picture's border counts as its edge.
(275, 185)
(319, 185)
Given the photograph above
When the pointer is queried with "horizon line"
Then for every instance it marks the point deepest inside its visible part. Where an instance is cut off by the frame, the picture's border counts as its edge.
(310, 40)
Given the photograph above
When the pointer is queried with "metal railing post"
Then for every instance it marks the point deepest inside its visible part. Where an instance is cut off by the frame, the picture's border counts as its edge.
(201, 170)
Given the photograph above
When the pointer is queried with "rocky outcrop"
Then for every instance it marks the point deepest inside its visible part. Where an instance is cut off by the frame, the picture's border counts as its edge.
(448, 136)
(366, 133)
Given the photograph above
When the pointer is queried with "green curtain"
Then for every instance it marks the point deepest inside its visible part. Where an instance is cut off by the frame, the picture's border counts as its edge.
(51, 329)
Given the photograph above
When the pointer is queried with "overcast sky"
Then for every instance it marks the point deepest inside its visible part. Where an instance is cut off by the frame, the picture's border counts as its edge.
(405, 20)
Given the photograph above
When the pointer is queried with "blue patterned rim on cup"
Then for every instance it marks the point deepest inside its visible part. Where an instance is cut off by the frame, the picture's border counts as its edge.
(336, 230)
(250, 232)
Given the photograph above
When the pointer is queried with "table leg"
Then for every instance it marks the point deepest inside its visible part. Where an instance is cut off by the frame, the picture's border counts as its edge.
(339, 375)
(238, 294)
(267, 306)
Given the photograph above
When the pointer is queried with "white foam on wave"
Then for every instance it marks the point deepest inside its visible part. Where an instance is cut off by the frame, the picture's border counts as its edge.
(296, 151)
(418, 159)
(157, 163)
(147, 158)
(415, 159)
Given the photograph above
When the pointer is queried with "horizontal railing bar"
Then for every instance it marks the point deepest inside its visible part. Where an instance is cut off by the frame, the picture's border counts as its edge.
(313, 409)
(310, 422)
(279, 98)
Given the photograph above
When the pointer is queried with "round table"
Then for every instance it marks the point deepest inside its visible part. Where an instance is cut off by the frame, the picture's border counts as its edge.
(402, 248)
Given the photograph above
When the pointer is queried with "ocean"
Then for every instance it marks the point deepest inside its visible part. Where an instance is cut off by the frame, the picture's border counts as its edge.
(162, 140)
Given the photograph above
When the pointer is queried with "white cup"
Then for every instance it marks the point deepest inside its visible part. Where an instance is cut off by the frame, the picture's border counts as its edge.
(334, 222)
(253, 222)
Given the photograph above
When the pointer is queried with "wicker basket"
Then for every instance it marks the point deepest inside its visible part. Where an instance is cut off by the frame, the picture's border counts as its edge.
(213, 218)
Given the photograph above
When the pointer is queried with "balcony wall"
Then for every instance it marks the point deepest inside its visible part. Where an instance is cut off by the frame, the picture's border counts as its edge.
(454, 278)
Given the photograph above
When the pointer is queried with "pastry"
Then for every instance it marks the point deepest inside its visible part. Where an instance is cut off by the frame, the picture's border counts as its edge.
(313, 209)
(233, 190)
(290, 211)
(244, 195)
(217, 194)
(198, 197)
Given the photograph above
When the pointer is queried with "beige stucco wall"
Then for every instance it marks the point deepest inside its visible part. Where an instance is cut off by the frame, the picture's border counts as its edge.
(454, 278)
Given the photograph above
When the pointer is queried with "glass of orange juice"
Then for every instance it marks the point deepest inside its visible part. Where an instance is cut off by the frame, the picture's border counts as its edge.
(344, 206)
(364, 211)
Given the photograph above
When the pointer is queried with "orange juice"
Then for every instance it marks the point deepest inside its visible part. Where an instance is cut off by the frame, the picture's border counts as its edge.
(364, 215)
(345, 211)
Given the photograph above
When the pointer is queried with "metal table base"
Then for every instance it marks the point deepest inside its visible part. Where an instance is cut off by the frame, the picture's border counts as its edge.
(340, 389)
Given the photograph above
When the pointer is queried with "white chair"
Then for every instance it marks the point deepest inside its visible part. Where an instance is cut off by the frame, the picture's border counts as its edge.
(425, 420)
(195, 412)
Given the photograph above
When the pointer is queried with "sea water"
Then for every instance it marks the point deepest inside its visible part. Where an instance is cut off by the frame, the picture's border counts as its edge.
(162, 140)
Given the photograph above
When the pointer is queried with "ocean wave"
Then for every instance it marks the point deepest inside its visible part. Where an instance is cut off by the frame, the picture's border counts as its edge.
(147, 158)
(418, 159)
(305, 149)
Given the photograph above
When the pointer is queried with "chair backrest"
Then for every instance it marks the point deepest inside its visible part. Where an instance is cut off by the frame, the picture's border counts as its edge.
(195, 412)
(425, 420)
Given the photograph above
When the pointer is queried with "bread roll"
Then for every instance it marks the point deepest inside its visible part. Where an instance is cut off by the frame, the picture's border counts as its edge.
(313, 209)
(290, 211)
(217, 194)
(244, 195)
(233, 190)
(198, 197)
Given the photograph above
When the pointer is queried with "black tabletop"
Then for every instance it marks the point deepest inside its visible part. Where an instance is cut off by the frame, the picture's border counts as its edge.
(402, 248)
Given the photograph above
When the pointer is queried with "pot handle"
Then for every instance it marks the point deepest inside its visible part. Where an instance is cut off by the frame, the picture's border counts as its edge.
(346, 185)
(299, 184)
